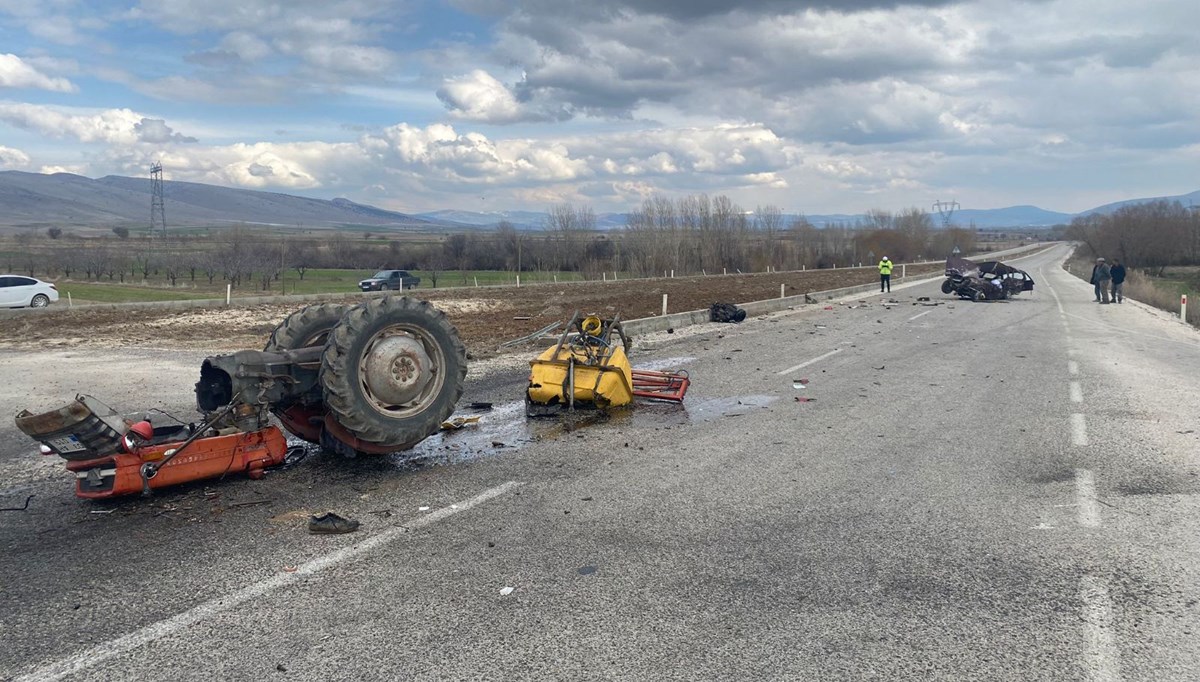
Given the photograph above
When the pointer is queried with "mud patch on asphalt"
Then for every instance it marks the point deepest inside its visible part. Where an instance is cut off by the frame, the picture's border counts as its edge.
(1159, 484)
(1060, 476)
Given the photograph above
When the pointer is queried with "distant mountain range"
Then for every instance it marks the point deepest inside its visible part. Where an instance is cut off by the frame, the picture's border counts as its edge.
(35, 200)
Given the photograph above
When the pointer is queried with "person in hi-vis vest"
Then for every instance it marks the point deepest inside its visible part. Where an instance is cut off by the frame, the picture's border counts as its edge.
(885, 275)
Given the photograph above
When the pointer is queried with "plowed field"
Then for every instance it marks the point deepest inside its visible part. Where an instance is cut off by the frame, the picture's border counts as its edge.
(484, 317)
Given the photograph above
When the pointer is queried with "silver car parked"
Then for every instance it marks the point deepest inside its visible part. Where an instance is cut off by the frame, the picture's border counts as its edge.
(17, 291)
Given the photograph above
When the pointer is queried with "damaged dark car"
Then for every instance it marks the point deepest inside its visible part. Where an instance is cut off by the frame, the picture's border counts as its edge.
(984, 281)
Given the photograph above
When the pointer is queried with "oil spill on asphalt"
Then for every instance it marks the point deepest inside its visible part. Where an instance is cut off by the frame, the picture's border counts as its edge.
(505, 428)
(501, 430)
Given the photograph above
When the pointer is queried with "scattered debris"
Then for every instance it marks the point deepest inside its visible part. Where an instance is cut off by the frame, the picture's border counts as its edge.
(249, 504)
(726, 312)
(422, 508)
(541, 332)
(289, 569)
(1181, 432)
(828, 307)
(880, 367)
(331, 524)
(505, 591)
(922, 298)
(458, 423)
(799, 384)
(803, 399)
(522, 318)
(102, 511)
(480, 406)
(586, 570)
(22, 507)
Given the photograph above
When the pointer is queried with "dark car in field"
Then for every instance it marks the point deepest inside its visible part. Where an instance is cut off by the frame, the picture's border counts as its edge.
(389, 280)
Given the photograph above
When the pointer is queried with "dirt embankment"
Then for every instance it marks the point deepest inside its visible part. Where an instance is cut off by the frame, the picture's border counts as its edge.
(483, 317)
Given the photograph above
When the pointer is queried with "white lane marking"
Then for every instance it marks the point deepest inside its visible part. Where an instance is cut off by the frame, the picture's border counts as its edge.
(1101, 659)
(1076, 392)
(89, 658)
(919, 315)
(1072, 368)
(1078, 430)
(789, 370)
(1057, 300)
(1088, 509)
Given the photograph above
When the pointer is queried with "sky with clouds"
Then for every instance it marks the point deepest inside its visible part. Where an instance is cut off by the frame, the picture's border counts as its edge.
(812, 106)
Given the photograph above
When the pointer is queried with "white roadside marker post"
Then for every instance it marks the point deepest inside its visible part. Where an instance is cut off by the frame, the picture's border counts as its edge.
(664, 304)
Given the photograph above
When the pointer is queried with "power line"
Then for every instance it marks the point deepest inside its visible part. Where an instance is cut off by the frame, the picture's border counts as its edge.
(158, 214)
(946, 210)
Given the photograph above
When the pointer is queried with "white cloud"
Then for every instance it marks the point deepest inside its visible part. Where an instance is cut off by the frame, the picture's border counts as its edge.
(13, 158)
(16, 73)
(112, 126)
(478, 96)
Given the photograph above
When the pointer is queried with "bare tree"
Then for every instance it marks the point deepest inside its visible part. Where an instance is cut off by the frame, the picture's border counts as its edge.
(301, 256)
(458, 250)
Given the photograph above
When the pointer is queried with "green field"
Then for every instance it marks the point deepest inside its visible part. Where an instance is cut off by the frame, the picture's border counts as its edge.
(122, 293)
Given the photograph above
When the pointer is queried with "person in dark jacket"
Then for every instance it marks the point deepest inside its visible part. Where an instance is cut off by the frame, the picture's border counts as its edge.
(1117, 272)
(1093, 281)
(1103, 277)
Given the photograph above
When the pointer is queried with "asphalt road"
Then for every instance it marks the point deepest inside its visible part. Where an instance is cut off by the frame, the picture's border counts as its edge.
(975, 491)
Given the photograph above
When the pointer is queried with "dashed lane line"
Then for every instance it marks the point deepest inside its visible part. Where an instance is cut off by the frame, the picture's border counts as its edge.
(802, 365)
(1078, 430)
(1087, 508)
(1101, 659)
(1076, 392)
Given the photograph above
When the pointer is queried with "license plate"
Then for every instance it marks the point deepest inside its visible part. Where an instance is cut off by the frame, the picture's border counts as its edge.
(66, 444)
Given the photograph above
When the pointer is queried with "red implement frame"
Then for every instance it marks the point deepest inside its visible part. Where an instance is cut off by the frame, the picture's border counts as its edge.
(669, 386)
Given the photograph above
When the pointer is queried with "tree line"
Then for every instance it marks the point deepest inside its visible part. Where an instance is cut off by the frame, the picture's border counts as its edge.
(691, 235)
(1149, 236)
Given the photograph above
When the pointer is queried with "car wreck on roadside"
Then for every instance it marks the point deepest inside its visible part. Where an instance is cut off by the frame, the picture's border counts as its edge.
(984, 281)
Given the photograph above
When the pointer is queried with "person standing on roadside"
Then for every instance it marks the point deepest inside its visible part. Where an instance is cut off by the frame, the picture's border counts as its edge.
(885, 275)
(1103, 277)
(1096, 284)
(1117, 271)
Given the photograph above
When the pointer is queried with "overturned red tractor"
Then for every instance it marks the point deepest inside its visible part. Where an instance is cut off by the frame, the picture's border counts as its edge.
(374, 378)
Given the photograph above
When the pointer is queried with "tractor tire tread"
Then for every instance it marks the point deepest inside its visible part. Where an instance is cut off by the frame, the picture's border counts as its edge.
(338, 367)
(302, 324)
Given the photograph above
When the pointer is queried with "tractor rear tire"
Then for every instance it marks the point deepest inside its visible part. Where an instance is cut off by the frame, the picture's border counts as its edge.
(947, 286)
(309, 326)
(393, 371)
